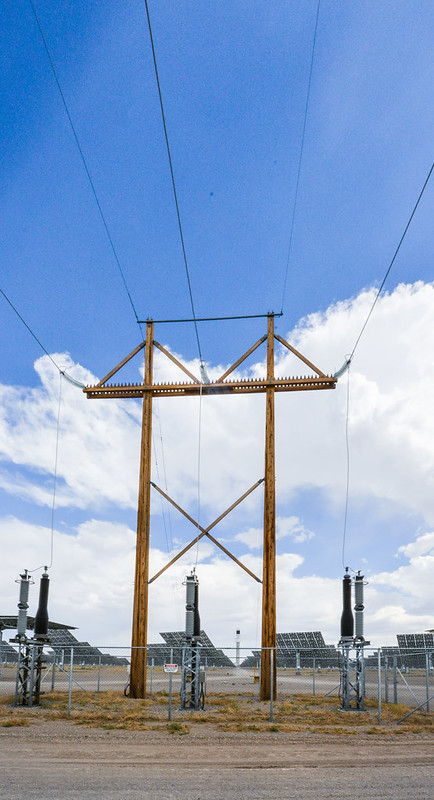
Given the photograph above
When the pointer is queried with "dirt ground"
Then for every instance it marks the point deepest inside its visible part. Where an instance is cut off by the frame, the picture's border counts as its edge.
(59, 760)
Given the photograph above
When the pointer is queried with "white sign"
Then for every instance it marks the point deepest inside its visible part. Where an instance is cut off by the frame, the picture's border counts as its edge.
(171, 668)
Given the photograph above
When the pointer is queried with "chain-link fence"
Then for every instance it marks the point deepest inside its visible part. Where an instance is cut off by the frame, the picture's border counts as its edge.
(402, 677)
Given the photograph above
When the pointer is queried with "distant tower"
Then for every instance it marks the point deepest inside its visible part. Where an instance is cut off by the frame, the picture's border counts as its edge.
(237, 647)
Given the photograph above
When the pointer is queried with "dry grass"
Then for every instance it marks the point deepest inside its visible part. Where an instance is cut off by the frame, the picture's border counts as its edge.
(112, 711)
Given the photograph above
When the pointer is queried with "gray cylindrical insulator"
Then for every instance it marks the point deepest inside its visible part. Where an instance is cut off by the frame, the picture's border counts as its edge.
(190, 584)
(41, 618)
(196, 610)
(358, 606)
(189, 622)
(190, 597)
(192, 619)
(358, 617)
(347, 620)
(23, 604)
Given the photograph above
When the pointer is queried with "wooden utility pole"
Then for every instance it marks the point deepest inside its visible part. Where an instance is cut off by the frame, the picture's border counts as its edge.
(193, 387)
(268, 639)
(139, 641)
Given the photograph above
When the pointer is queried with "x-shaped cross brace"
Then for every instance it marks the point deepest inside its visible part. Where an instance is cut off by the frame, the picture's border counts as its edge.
(206, 531)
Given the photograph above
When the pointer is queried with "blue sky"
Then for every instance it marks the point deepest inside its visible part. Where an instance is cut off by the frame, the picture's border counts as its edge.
(234, 78)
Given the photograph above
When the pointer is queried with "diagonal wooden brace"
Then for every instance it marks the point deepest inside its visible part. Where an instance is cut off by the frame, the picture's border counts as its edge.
(206, 531)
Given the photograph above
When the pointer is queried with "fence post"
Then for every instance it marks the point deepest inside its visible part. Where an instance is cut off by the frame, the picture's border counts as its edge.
(313, 677)
(395, 679)
(53, 670)
(379, 685)
(427, 680)
(152, 674)
(271, 682)
(70, 681)
(99, 674)
(170, 696)
(386, 679)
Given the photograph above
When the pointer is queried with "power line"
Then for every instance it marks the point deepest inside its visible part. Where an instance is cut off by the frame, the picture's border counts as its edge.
(53, 505)
(216, 319)
(300, 158)
(172, 175)
(204, 377)
(347, 364)
(29, 329)
(44, 349)
(391, 263)
(83, 159)
(347, 482)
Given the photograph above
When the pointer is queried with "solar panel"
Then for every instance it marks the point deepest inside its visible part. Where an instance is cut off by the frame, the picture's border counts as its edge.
(8, 654)
(11, 622)
(414, 647)
(299, 647)
(208, 653)
(62, 641)
(302, 647)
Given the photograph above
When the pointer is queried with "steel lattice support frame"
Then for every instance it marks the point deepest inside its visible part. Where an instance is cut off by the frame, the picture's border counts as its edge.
(29, 672)
(190, 676)
(353, 676)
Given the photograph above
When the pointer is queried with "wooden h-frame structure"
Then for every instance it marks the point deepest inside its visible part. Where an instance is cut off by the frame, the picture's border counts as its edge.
(193, 387)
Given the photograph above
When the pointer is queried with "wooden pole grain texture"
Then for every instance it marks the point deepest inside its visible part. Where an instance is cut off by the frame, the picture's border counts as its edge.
(140, 607)
(269, 553)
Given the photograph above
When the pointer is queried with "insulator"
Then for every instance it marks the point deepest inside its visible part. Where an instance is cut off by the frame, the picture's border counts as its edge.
(190, 584)
(189, 622)
(23, 604)
(347, 620)
(358, 606)
(192, 619)
(196, 610)
(41, 618)
(343, 369)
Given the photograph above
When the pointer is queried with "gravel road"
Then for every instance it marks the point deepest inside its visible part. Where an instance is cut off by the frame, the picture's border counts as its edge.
(60, 761)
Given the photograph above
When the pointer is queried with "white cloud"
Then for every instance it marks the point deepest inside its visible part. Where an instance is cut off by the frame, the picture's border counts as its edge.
(252, 537)
(286, 527)
(293, 528)
(98, 442)
(424, 545)
(392, 459)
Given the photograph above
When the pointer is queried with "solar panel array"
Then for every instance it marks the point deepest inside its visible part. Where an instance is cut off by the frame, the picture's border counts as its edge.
(11, 622)
(301, 647)
(61, 642)
(414, 648)
(8, 654)
(208, 653)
